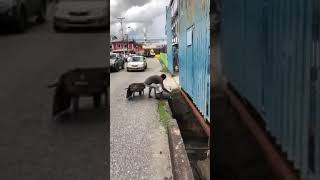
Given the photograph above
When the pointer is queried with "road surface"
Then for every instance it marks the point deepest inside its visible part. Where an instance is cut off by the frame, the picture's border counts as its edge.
(32, 145)
(138, 143)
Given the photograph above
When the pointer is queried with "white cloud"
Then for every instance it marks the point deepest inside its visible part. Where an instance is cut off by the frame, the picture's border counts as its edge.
(144, 14)
(113, 3)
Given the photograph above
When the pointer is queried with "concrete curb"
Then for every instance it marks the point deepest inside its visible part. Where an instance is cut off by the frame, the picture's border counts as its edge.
(181, 168)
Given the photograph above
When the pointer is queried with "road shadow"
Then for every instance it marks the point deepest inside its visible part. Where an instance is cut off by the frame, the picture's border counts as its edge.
(138, 98)
(82, 30)
(86, 115)
(9, 29)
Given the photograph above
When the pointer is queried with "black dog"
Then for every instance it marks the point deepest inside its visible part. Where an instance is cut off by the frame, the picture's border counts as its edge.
(76, 83)
(135, 87)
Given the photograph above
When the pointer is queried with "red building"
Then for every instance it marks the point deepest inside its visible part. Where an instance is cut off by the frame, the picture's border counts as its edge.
(131, 46)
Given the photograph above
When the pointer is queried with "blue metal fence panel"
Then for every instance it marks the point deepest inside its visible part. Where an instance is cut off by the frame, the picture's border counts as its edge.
(194, 61)
(316, 87)
(271, 57)
(169, 39)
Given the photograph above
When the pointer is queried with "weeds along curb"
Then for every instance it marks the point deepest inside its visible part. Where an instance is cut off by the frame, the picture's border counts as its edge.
(181, 168)
(165, 114)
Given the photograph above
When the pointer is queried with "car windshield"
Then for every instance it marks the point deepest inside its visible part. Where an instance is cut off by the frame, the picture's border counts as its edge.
(136, 59)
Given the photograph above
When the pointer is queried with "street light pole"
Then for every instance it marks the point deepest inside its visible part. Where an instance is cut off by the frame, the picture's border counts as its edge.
(121, 19)
(128, 40)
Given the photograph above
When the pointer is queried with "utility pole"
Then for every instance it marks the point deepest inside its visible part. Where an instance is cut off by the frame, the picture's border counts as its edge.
(128, 40)
(121, 21)
(127, 43)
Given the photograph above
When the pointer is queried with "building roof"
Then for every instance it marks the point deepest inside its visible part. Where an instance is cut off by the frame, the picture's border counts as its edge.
(120, 40)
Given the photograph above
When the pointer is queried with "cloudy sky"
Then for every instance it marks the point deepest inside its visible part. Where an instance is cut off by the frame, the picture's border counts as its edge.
(140, 16)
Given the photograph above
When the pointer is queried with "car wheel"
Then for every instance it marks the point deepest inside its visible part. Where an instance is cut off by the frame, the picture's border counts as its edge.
(128, 70)
(22, 20)
(57, 28)
(116, 68)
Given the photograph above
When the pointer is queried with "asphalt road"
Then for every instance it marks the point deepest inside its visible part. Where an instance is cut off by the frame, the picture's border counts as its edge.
(136, 136)
(32, 145)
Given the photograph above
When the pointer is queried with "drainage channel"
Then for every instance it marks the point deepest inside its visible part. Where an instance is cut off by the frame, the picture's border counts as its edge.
(194, 137)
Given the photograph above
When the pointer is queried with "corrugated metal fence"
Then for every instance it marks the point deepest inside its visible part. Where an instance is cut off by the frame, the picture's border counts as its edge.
(270, 54)
(194, 61)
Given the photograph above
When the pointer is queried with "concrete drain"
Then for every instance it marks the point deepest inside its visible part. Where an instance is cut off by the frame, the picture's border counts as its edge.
(194, 138)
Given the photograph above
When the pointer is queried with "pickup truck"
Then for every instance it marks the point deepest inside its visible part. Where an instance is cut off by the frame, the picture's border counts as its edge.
(17, 12)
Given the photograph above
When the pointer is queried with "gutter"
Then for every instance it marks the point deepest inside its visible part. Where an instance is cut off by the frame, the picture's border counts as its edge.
(197, 114)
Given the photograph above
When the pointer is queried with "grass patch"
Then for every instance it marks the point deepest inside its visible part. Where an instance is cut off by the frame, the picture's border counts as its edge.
(164, 113)
(164, 69)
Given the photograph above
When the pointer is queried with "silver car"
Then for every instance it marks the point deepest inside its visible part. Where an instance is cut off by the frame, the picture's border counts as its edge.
(136, 63)
(81, 13)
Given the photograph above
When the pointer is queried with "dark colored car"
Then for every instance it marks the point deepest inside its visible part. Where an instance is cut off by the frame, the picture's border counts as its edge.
(17, 12)
(116, 62)
(81, 14)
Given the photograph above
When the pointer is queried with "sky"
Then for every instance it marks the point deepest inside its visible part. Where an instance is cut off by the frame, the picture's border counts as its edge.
(141, 16)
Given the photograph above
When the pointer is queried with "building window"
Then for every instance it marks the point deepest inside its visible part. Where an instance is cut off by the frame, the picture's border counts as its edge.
(189, 36)
(119, 46)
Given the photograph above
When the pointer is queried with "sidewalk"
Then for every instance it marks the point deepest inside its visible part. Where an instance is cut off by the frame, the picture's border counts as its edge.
(138, 142)
(171, 82)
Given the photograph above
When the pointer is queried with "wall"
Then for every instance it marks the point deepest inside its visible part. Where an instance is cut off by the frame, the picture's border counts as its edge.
(270, 53)
(194, 60)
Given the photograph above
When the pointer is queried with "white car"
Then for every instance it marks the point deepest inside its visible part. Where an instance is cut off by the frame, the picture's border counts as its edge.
(136, 63)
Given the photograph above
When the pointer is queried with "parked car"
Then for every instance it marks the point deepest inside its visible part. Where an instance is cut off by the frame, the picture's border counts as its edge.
(116, 62)
(137, 63)
(18, 12)
(80, 13)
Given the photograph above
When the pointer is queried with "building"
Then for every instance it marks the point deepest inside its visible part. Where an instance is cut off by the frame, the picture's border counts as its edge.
(130, 46)
(156, 47)
(188, 37)
(172, 32)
